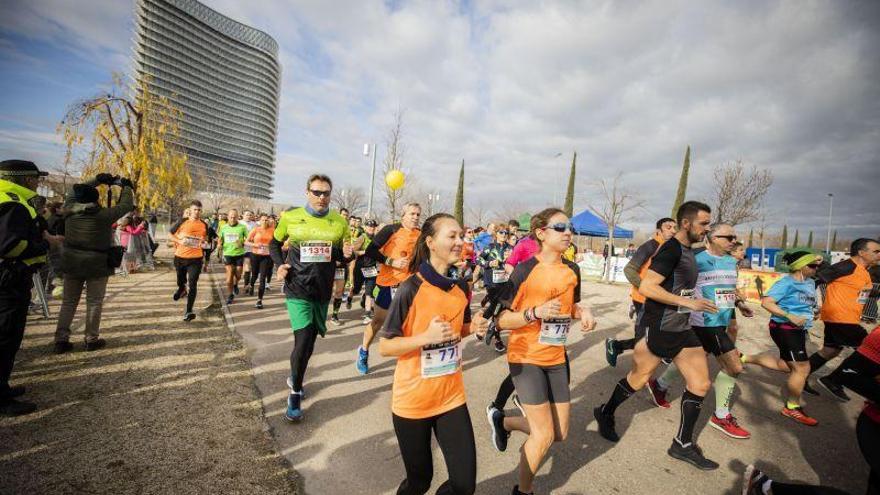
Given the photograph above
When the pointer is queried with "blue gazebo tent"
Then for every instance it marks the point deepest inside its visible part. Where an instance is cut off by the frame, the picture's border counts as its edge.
(586, 223)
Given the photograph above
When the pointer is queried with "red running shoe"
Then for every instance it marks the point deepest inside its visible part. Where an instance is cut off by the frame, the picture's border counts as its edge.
(799, 415)
(729, 427)
(658, 396)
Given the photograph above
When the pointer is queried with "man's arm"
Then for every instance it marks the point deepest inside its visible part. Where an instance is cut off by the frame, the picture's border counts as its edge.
(381, 238)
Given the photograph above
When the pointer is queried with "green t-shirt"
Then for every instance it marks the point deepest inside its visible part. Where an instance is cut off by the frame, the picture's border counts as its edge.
(233, 239)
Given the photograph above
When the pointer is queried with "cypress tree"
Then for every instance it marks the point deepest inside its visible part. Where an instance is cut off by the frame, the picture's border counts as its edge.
(810, 240)
(459, 197)
(682, 183)
(834, 239)
(796, 234)
(751, 236)
(569, 195)
(784, 236)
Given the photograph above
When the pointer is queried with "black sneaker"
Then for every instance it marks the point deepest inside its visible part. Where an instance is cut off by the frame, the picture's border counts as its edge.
(753, 481)
(229, 299)
(96, 344)
(335, 320)
(180, 293)
(189, 316)
(62, 347)
(835, 389)
(235, 289)
(810, 390)
(348, 303)
(259, 304)
(611, 352)
(499, 347)
(496, 422)
(606, 424)
(491, 332)
(13, 407)
(692, 455)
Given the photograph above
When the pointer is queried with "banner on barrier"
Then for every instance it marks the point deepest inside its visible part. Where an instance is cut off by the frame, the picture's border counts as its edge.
(753, 283)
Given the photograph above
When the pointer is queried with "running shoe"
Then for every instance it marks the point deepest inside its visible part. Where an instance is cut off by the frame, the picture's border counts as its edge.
(729, 427)
(335, 320)
(348, 303)
(235, 289)
(491, 332)
(810, 390)
(496, 423)
(96, 344)
(62, 347)
(229, 299)
(606, 424)
(363, 359)
(294, 412)
(799, 415)
(658, 395)
(518, 404)
(611, 352)
(499, 347)
(259, 304)
(753, 481)
(249, 290)
(180, 293)
(835, 389)
(692, 455)
(302, 393)
(189, 316)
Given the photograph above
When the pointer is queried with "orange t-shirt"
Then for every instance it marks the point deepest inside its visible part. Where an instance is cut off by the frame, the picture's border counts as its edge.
(467, 251)
(847, 292)
(653, 246)
(394, 241)
(188, 238)
(260, 238)
(531, 284)
(418, 391)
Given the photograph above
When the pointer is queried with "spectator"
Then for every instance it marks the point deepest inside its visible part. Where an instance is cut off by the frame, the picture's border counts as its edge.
(153, 223)
(87, 259)
(630, 250)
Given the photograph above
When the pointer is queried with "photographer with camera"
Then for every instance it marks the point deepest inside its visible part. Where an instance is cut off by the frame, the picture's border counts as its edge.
(23, 247)
(89, 256)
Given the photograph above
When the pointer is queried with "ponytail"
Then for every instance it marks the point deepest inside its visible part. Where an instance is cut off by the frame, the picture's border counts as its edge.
(421, 252)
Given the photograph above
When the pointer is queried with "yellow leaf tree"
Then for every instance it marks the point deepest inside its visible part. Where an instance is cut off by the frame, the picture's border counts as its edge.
(131, 132)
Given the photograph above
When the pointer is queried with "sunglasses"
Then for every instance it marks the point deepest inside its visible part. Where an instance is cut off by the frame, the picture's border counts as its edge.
(503, 232)
(561, 227)
(730, 238)
(320, 194)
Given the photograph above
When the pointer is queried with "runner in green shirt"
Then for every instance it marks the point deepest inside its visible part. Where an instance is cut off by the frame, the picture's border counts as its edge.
(232, 237)
(318, 239)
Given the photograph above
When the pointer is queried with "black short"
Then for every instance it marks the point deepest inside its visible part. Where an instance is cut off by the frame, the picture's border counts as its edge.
(715, 340)
(669, 344)
(185, 262)
(540, 384)
(639, 330)
(844, 335)
(791, 341)
(234, 260)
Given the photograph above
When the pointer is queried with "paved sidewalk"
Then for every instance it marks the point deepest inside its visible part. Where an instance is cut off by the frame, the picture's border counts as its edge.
(346, 443)
(167, 407)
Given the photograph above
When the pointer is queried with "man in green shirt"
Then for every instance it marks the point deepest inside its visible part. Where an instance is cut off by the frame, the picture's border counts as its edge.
(232, 237)
(318, 239)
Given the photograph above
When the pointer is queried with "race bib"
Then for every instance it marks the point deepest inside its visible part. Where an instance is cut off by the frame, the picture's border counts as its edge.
(441, 359)
(370, 271)
(340, 274)
(260, 249)
(689, 294)
(193, 242)
(554, 331)
(864, 295)
(315, 252)
(499, 276)
(230, 237)
(725, 298)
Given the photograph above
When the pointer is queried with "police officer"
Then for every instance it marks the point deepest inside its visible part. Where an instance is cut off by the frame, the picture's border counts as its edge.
(23, 247)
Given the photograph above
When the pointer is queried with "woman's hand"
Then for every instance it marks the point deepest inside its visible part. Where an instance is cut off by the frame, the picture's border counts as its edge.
(438, 331)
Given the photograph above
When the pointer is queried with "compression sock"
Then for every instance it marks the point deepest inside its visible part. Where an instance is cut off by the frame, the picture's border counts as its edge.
(816, 362)
(670, 375)
(791, 405)
(622, 391)
(724, 387)
(691, 404)
(337, 302)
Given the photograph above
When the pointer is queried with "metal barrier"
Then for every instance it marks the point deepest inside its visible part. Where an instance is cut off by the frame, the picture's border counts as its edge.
(41, 294)
(869, 313)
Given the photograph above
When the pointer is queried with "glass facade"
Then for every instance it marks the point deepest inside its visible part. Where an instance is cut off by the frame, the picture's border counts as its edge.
(224, 77)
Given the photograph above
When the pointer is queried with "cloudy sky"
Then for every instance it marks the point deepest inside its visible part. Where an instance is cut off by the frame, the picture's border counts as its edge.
(507, 86)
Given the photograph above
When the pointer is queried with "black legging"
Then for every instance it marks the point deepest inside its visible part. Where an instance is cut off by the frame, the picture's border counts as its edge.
(455, 435)
(261, 266)
(188, 271)
(303, 346)
(506, 389)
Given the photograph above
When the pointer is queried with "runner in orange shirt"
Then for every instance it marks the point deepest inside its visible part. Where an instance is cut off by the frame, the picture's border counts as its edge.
(261, 261)
(190, 236)
(427, 320)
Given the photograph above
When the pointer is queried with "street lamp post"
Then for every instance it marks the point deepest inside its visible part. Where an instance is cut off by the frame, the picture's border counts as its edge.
(372, 178)
(830, 210)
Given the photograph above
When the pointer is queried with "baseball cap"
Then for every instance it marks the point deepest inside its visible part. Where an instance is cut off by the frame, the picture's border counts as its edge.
(20, 168)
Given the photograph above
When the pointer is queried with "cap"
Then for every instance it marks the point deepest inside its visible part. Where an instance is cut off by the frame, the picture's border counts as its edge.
(371, 223)
(20, 168)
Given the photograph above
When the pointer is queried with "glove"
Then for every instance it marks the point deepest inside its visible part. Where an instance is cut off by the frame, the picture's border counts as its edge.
(126, 182)
(104, 179)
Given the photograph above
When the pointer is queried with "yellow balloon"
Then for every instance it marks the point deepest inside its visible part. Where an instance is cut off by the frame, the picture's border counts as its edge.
(395, 179)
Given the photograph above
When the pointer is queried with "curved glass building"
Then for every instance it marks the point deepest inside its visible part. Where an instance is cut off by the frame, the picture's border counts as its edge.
(225, 78)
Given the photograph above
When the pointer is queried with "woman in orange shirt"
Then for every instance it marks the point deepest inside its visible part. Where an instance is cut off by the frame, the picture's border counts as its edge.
(540, 304)
(427, 320)
(261, 262)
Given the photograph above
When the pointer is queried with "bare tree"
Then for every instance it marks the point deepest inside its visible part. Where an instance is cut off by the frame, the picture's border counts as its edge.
(478, 214)
(221, 188)
(617, 207)
(739, 192)
(394, 153)
(352, 199)
(509, 210)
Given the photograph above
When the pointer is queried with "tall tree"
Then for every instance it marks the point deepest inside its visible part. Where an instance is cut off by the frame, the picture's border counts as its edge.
(352, 199)
(797, 233)
(459, 196)
(394, 151)
(751, 237)
(739, 193)
(810, 240)
(618, 204)
(130, 132)
(569, 195)
(784, 241)
(682, 183)
(834, 239)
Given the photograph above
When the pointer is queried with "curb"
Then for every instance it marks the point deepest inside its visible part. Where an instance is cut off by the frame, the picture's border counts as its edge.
(227, 315)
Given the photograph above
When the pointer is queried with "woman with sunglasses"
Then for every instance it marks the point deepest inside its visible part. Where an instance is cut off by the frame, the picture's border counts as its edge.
(427, 320)
(540, 302)
(790, 302)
